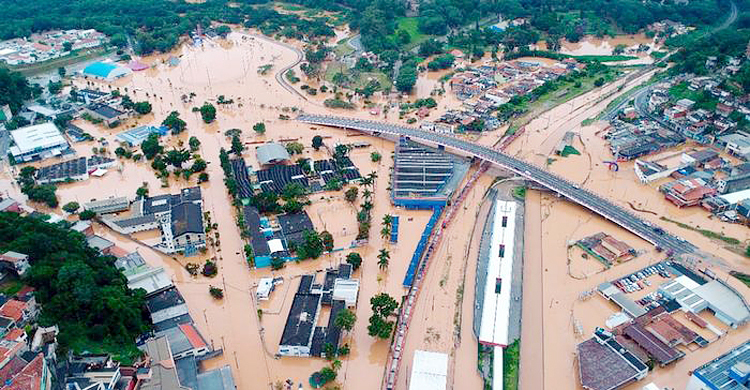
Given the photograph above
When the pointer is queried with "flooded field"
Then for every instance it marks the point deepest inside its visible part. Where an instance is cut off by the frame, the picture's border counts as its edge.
(591, 45)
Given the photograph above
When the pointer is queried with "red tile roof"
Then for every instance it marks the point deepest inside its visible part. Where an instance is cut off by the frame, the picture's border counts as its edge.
(192, 335)
(14, 334)
(30, 378)
(25, 290)
(13, 309)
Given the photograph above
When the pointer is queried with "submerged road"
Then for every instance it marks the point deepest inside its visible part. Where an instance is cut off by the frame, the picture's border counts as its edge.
(607, 209)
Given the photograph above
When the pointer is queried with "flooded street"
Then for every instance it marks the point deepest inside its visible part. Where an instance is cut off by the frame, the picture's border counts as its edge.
(249, 340)
(249, 332)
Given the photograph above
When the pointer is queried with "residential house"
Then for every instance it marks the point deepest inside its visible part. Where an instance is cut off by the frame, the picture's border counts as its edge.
(107, 114)
(734, 184)
(17, 262)
(688, 192)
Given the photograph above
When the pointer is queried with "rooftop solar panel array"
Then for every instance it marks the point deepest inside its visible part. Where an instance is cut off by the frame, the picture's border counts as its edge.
(277, 177)
(239, 168)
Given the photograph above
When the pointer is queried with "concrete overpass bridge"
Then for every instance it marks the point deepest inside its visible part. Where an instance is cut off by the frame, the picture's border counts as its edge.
(607, 209)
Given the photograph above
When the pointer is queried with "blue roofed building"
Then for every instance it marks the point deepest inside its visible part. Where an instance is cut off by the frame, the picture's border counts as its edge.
(105, 71)
(730, 371)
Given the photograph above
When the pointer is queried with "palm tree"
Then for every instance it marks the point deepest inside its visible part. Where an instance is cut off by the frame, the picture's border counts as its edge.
(367, 194)
(388, 220)
(372, 176)
(383, 258)
(366, 181)
(367, 206)
(385, 232)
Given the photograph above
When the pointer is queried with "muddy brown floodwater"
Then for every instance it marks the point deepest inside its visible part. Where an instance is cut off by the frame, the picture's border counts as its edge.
(229, 67)
(552, 310)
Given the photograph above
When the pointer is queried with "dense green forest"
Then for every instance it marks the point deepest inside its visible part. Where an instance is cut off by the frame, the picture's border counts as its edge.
(552, 20)
(156, 25)
(79, 290)
(14, 89)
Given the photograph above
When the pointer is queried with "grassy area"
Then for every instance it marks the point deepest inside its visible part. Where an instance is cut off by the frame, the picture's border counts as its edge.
(565, 92)
(357, 79)
(46, 66)
(706, 233)
(744, 278)
(511, 361)
(11, 287)
(343, 48)
(125, 354)
(519, 192)
(701, 98)
(410, 25)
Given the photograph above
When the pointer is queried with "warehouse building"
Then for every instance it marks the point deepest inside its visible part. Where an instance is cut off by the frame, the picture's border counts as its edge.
(37, 142)
(730, 371)
(726, 304)
(271, 153)
(604, 364)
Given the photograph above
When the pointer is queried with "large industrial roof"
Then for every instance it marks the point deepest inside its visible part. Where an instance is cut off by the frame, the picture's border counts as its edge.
(716, 372)
(722, 298)
(41, 136)
(105, 70)
(271, 153)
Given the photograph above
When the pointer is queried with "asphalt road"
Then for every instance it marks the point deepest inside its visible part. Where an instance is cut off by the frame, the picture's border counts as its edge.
(572, 191)
(280, 75)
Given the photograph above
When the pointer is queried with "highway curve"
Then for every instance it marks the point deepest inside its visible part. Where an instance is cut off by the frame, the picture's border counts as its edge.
(280, 74)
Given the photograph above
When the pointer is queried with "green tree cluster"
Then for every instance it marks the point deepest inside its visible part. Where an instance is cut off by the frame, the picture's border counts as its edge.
(44, 193)
(79, 289)
(383, 307)
(174, 122)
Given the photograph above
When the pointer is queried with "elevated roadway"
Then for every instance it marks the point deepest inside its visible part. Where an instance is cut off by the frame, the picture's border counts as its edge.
(607, 209)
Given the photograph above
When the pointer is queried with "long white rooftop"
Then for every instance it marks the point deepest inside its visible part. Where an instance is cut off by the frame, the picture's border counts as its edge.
(493, 328)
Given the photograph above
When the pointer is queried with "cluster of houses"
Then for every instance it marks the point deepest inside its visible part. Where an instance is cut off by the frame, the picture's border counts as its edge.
(716, 176)
(664, 121)
(43, 139)
(485, 88)
(701, 177)
(172, 350)
(667, 28)
(48, 45)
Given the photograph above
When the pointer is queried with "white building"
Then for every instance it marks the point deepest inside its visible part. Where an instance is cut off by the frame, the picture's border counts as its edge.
(37, 142)
(17, 261)
(429, 371)
(495, 314)
(263, 291)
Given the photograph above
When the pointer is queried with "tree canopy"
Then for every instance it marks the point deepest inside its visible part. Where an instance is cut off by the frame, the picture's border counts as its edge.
(14, 89)
(79, 289)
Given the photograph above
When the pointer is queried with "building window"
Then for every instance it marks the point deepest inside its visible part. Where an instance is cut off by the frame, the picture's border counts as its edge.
(505, 221)
(502, 250)
(498, 285)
